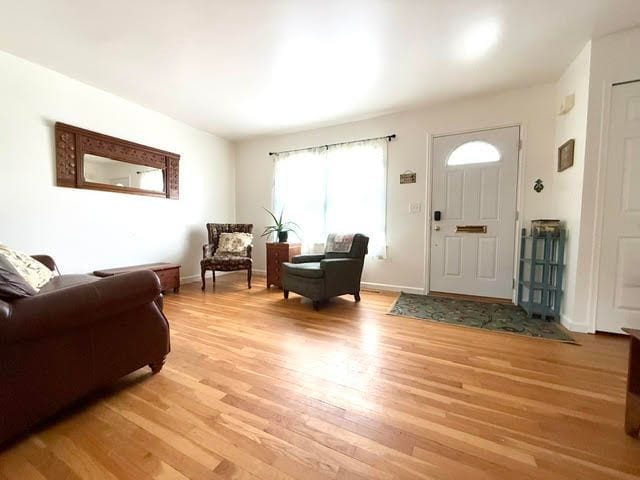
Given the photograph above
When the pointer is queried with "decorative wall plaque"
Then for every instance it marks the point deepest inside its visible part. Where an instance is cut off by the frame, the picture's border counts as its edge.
(408, 177)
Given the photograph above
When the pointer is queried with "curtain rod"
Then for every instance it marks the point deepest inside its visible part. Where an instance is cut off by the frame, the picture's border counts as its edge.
(388, 137)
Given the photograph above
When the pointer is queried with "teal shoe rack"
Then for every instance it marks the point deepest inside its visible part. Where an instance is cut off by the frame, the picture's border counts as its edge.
(541, 273)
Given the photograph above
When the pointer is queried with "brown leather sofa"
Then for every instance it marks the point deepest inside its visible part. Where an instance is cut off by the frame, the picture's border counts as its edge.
(79, 333)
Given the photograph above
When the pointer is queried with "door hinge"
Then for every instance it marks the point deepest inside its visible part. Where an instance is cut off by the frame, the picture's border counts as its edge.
(513, 284)
(517, 215)
(519, 144)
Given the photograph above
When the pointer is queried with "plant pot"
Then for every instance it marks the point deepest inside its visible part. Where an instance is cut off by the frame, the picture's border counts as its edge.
(283, 237)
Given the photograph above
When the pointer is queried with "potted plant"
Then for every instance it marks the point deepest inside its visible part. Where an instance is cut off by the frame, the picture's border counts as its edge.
(279, 227)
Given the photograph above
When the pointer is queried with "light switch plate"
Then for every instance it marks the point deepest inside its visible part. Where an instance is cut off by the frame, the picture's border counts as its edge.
(415, 207)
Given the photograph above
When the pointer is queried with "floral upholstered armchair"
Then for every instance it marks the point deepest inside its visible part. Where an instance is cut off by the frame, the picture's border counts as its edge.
(234, 255)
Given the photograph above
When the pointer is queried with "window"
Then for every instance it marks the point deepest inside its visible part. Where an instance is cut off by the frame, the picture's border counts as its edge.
(339, 189)
(473, 152)
(152, 180)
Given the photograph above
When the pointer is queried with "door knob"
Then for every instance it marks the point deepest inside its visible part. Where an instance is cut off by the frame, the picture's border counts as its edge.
(436, 228)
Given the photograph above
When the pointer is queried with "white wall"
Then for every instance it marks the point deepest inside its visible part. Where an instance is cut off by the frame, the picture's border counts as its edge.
(614, 59)
(567, 185)
(533, 108)
(83, 229)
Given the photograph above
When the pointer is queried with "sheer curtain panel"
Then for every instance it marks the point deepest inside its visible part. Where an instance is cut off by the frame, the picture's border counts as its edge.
(341, 188)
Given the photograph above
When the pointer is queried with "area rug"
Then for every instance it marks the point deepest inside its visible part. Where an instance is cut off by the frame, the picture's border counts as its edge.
(487, 316)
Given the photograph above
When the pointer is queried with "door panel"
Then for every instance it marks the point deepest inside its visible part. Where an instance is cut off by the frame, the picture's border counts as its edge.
(474, 190)
(453, 257)
(487, 256)
(489, 194)
(628, 275)
(631, 176)
(633, 109)
(455, 194)
(619, 278)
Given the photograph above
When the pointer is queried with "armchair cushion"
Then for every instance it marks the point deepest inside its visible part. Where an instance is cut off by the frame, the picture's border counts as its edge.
(227, 262)
(235, 243)
(306, 270)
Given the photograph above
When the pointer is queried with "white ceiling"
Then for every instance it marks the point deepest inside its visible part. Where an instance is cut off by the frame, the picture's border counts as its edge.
(248, 67)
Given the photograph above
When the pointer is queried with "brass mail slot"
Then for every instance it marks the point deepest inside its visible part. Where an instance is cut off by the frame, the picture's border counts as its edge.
(471, 228)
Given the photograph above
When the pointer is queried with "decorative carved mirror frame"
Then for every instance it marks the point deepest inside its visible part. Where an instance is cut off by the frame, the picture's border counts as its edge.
(73, 142)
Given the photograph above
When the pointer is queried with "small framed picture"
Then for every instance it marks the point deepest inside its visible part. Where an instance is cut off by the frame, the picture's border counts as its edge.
(565, 155)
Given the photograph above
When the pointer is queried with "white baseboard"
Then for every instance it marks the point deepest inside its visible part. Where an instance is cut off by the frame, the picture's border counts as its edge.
(190, 279)
(392, 288)
(573, 326)
(198, 278)
(374, 286)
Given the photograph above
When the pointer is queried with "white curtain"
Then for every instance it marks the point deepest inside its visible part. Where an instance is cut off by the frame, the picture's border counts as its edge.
(339, 189)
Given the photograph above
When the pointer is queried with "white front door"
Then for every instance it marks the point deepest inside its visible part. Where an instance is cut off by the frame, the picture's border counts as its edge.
(619, 279)
(474, 190)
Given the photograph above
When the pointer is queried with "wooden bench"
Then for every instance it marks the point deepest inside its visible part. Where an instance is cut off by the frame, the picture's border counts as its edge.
(168, 273)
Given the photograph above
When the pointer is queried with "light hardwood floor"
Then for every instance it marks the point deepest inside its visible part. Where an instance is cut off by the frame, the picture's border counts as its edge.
(259, 387)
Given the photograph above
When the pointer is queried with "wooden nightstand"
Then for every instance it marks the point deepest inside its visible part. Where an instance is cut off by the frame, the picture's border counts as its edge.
(276, 254)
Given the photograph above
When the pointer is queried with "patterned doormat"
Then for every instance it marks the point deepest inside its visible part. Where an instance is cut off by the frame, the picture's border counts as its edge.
(487, 316)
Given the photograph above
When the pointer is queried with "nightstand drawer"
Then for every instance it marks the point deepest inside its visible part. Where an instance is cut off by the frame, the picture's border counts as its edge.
(277, 253)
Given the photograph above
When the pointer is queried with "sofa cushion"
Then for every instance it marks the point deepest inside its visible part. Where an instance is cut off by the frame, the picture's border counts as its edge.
(12, 285)
(65, 281)
(34, 272)
(307, 270)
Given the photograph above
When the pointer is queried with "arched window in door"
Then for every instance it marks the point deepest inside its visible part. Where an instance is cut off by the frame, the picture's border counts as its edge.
(473, 152)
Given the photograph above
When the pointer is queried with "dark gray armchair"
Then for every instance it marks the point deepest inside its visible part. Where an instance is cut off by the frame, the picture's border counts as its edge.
(320, 277)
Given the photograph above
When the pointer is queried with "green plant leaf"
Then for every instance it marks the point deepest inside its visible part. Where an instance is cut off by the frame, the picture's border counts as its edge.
(279, 225)
(272, 216)
(268, 231)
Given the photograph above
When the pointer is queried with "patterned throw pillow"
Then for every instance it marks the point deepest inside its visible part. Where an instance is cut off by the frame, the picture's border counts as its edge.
(234, 243)
(339, 243)
(12, 285)
(34, 273)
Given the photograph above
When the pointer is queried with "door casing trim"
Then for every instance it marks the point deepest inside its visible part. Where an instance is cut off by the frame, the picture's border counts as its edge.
(519, 194)
(598, 221)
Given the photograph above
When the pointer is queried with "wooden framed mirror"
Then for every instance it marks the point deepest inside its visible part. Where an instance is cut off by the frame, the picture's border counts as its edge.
(86, 159)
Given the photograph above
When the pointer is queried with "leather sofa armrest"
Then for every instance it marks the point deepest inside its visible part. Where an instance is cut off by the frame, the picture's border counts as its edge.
(47, 261)
(50, 313)
(307, 258)
(5, 311)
